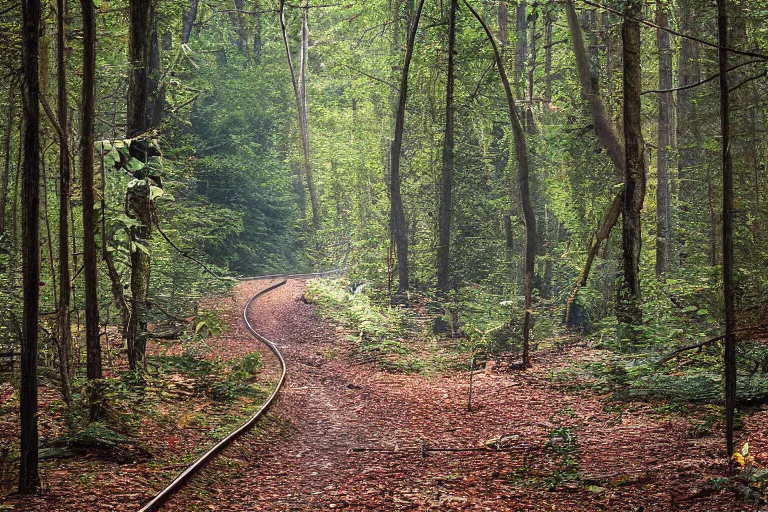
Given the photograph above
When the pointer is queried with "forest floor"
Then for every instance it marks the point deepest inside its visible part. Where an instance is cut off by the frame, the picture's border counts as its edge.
(344, 435)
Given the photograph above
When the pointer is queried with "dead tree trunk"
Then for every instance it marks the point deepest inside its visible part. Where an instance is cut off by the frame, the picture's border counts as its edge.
(90, 268)
(609, 221)
(446, 181)
(628, 300)
(397, 223)
(729, 353)
(523, 173)
(64, 327)
(663, 211)
(29, 478)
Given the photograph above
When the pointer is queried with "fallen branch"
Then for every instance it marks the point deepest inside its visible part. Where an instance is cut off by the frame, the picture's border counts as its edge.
(680, 350)
(428, 449)
(166, 313)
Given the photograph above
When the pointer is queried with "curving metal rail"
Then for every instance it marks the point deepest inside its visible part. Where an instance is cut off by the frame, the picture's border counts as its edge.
(162, 497)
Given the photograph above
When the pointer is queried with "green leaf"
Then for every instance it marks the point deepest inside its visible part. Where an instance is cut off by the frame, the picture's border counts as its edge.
(136, 246)
(134, 165)
(155, 192)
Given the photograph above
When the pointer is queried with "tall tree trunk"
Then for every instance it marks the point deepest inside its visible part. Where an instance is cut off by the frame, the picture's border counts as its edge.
(397, 216)
(608, 137)
(300, 92)
(142, 114)
(523, 173)
(90, 269)
(64, 327)
(729, 353)
(156, 102)
(628, 311)
(663, 211)
(446, 180)
(8, 147)
(29, 478)
(258, 42)
(188, 21)
(139, 47)
(521, 44)
(502, 19)
(688, 137)
(548, 21)
(303, 59)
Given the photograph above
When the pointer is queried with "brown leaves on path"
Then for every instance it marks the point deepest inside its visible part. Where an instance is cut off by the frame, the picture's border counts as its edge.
(563, 451)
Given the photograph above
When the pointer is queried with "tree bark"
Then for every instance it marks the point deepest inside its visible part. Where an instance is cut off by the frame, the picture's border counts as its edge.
(303, 59)
(628, 304)
(521, 44)
(446, 180)
(523, 172)
(729, 352)
(663, 211)
(548, 21)
(188, 21)
(64, 327)
(502, 19)
(29, 478)
(90, 269)
(397, 216)
(143, 106)
(139, 46)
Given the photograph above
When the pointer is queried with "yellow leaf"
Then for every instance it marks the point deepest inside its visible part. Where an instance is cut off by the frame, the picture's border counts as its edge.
(745, 449)
(738, 459)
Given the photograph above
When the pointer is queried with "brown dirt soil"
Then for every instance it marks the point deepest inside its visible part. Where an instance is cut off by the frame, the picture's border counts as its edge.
(305, 455)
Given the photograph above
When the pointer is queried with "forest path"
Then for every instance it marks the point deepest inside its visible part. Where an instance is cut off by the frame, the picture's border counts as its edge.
(300, 457)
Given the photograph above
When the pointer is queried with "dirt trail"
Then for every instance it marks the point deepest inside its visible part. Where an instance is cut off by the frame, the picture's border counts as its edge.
(303, 458)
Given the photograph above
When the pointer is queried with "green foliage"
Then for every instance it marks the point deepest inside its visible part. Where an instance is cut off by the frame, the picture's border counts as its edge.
(563, 447)
(210, 323)
(377, 332)
(247, 366)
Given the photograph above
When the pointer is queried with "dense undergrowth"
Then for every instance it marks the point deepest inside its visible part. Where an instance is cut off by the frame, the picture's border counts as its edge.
(189, 396)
